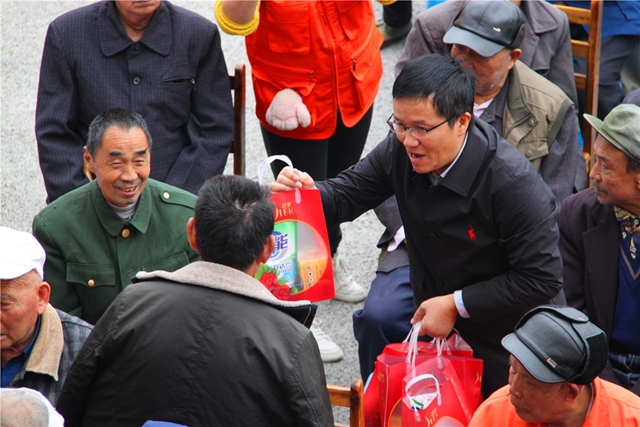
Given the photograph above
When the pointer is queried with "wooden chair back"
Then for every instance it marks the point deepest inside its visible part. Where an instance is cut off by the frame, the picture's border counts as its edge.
(238, 86)
(350, 397)
(591, 51)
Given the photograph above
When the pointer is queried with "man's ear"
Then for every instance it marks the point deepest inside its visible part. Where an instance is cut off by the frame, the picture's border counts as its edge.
(268, 248)
(464, 121)
(515, 55)
(43, 291)
(87, 159)
(573, 391)
(191, 233)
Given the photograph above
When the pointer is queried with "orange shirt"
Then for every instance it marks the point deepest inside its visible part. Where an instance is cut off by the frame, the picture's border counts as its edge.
(613, 406)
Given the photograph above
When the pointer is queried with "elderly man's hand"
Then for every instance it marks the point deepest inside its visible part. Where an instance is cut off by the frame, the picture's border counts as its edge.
(438, 316)
(290, 179)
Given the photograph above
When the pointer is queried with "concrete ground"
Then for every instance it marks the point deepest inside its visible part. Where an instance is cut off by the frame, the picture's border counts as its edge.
(23, 26)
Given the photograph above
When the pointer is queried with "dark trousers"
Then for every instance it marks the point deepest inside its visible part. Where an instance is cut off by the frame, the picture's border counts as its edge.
(614, 52)
(385, 317)
(323, 158)
(397, 14)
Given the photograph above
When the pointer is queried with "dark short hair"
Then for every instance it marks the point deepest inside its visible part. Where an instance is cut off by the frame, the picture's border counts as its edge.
(234, 218)
(440, 79)
(124, 119)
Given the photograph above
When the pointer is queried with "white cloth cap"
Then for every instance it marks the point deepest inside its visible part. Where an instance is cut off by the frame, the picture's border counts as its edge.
(20, 253)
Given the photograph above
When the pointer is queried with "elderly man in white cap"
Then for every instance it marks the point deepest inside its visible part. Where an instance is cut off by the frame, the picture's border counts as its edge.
(38, 342)
(600, 243)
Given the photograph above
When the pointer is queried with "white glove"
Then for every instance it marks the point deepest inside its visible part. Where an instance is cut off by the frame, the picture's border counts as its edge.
(287, 111)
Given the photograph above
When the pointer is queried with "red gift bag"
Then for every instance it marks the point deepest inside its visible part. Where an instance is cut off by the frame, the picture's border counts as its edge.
(398, 359)
(433, 396)
(300, 266)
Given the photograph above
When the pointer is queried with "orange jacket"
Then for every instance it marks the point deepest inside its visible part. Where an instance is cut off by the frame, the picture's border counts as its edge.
(327, 51)
(613, 406)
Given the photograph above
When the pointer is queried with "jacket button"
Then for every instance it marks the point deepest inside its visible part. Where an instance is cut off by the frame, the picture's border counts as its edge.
(432, 235)
(136, 46)
(91, 282)
(528, 154)
(531, 122)
(136, 80)
(166, 195)
(125, 233)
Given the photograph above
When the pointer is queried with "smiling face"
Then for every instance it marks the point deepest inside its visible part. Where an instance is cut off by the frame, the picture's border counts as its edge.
(121, 164)
(439, 148)
(613, 183)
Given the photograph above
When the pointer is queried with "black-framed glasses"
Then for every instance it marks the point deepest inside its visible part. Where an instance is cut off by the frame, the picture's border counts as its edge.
(417, 132)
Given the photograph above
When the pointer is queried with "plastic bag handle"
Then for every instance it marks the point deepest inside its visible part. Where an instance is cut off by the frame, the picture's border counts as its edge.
(267, 162)
(412, 338)
(418, 378)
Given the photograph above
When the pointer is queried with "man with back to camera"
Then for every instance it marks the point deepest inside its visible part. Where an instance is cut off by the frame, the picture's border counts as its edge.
(100, 235)
(459, 188)
(530, 112)
(556, 355)
(39, 343)
(599, 241)
(212, 345)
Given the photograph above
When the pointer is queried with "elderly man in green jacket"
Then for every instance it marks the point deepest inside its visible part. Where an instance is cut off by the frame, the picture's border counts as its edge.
(100, 235)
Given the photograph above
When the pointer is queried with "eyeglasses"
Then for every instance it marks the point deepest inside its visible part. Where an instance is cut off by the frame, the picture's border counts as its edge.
(417, 132)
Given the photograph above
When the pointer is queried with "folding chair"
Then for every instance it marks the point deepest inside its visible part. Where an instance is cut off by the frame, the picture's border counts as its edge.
(352, 398)
(591, 51)
(237, 81)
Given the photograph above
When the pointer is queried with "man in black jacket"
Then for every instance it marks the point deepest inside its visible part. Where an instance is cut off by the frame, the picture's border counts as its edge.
(480, 224)
(208, 344)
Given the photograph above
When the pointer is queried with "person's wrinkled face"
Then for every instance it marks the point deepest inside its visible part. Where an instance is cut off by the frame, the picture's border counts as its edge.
(439, 148)
(21, 304)
(490, 72)
(613, 183)
(121, 164)
(137, 10)
(533, 400)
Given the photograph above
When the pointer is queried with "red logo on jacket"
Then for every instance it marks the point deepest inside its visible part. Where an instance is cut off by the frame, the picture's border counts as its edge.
(472, 234)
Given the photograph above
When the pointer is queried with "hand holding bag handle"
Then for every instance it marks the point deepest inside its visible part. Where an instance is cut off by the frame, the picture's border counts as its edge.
(267, 162)
(412, 339)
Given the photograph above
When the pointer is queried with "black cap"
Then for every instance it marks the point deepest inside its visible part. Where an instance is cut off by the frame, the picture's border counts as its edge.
(488, 27)
(556, 344)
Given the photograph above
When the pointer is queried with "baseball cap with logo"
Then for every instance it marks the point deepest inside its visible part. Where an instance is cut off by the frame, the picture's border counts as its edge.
(621, 127)
(20, 253)
(488, 27)
(556, 344)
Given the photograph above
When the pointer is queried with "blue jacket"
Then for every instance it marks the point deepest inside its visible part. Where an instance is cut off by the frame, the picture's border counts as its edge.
(619, 18)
